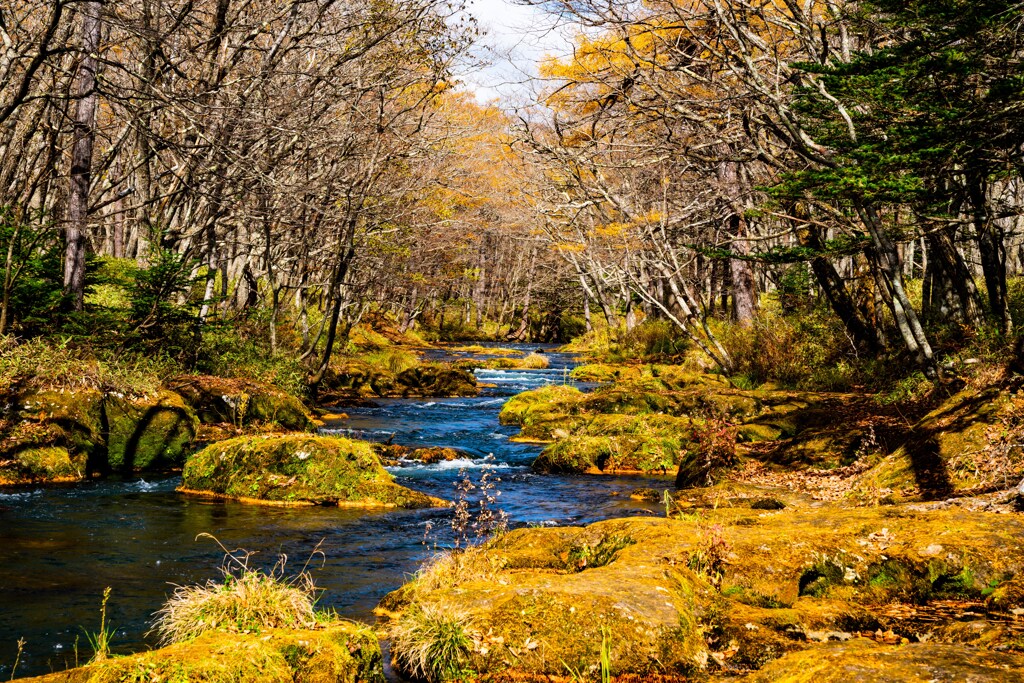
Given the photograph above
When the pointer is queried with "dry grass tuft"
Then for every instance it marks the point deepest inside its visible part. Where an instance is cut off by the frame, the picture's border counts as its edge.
(432, 642)
(246, 601)
(534, 361)
(450, 569)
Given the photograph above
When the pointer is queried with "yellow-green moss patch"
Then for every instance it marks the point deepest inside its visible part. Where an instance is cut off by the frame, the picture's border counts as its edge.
(863, 661)
(298, 468)
(341, 652)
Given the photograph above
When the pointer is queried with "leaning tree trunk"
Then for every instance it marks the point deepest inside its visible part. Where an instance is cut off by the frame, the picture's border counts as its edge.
(907, 321)
(81, 156)
(992, 247)
(834, 289)
(948, 291)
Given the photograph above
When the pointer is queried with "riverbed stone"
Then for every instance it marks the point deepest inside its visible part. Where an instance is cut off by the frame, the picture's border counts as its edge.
(341, 652)
(298, 469)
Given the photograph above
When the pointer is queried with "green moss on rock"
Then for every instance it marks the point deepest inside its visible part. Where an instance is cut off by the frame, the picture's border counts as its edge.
(41, 465)
(355, 377)
(149, 433)
(298, 469)
(610, 454)
(241, 402)
(339, 653)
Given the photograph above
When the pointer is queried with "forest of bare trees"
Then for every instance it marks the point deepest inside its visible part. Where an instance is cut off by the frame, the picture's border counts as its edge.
(317, 160)
(701, 149)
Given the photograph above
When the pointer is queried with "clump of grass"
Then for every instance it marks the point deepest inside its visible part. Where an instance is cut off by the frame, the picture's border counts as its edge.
(432, 642)
(246, 601)
(100, 641)
(391, 359)
(534, 361)
(449, 569)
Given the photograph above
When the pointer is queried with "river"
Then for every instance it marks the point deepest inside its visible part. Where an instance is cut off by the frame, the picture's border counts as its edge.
(61, 546)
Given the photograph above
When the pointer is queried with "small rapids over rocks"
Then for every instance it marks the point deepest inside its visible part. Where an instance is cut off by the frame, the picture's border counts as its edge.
(61, 546)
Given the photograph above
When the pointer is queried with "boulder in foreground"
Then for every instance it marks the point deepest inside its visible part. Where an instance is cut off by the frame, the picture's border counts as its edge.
(342, 652)
(863, 661)
(712, 595)
(298, 469)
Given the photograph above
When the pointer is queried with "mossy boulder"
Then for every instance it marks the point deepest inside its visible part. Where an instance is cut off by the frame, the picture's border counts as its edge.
(339, 653)
(971, 442)
(392, 455)
(734, 588)
(73, 419)
(44, 464)
(611, 454)
(52, 435)
(669, 377)
(541, 406)
(864, 661)
(435, 379)
(298, 469)
(533, 361)
(355, 378)
(149, 433)
(241, 402)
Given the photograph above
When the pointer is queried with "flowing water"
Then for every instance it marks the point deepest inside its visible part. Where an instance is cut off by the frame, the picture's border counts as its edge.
(60, 546)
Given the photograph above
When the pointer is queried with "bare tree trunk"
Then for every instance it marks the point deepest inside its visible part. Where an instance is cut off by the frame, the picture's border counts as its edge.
(833, 287)
(81, 156)
(992, 248)
(907, 322)
(744, 290)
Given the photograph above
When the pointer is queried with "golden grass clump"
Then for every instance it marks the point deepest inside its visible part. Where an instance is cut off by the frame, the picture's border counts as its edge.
(535, 361)
(450, 569)
(432, 642)
(246, 601)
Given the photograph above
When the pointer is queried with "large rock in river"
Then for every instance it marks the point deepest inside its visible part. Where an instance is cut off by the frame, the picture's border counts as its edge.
(299, 469)
(732, 590)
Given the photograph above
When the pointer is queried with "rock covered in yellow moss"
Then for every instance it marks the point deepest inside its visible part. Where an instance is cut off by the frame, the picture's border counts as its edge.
(733, 589)
(863, 661)
(341, 652)
(298, 469)
(537, 601)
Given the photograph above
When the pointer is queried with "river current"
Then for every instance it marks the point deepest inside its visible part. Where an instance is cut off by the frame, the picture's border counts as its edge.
(61, 546)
